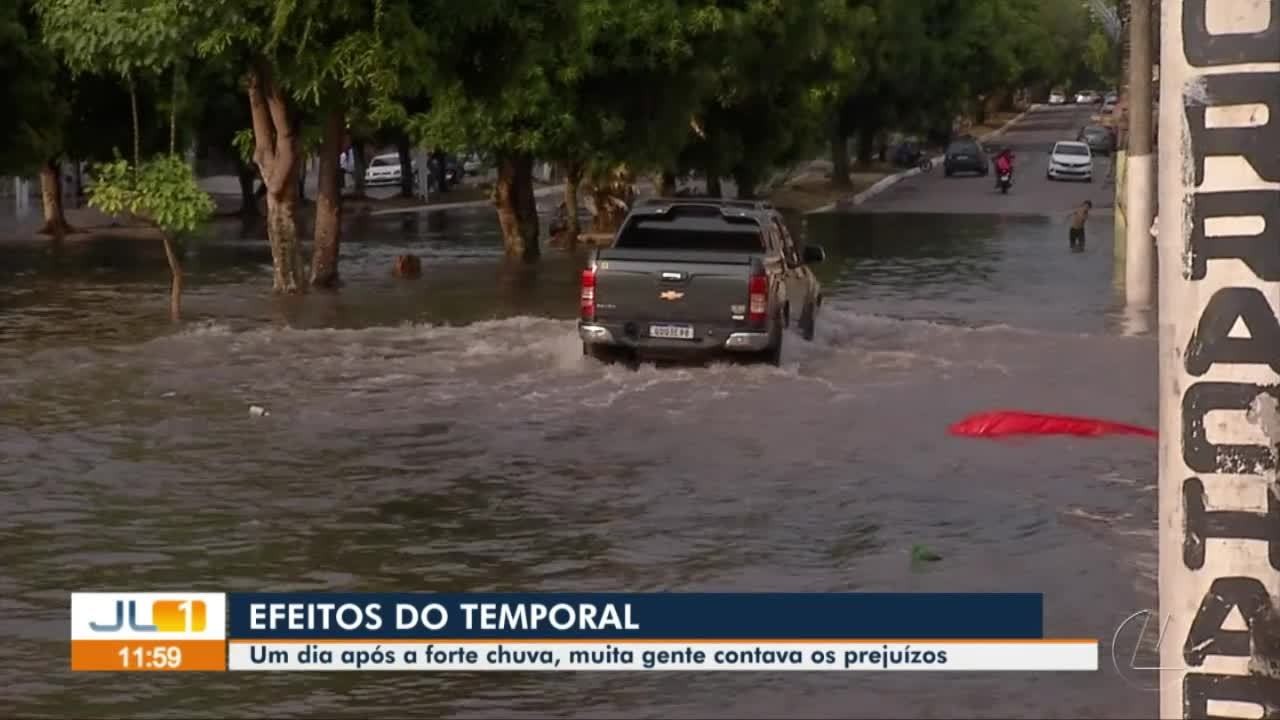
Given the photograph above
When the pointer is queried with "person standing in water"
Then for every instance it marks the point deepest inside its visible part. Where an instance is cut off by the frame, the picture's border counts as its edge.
(1078, 218)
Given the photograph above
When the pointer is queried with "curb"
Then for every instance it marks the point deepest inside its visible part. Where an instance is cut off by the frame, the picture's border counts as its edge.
(886, 182)
(537, 194)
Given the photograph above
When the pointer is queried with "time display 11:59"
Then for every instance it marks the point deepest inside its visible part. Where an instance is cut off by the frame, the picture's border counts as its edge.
(150, 658)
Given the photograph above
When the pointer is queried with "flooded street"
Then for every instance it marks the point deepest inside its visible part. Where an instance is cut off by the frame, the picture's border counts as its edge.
(447, 434)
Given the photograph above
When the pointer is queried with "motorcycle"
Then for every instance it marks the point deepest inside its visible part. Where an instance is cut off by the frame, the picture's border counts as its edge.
(450, 178)
(1005, 181)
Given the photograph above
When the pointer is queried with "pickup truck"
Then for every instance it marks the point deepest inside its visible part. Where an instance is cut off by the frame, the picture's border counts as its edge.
(698, 277)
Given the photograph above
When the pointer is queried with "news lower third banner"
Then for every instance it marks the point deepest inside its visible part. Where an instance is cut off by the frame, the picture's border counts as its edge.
(430, 632)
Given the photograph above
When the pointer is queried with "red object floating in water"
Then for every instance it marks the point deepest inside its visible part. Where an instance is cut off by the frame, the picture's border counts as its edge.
(1002, 423)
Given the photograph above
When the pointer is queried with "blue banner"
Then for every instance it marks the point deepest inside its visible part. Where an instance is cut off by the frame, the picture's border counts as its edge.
(635, 616)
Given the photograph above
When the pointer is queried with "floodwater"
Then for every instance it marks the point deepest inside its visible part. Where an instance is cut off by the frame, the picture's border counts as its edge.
(446, 434)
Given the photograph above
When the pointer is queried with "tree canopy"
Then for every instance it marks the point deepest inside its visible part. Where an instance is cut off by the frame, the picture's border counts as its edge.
(732, 88)
(34, 121)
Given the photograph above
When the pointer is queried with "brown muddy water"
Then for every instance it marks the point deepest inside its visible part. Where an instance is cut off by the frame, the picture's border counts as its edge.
(446, 434)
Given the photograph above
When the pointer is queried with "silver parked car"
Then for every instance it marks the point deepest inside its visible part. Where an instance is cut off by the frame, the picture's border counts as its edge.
(1070, 160)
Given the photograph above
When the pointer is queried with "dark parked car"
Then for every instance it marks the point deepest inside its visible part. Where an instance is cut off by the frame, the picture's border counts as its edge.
(908, 154)
(1101, 140)
(699, 277)
(965, 155)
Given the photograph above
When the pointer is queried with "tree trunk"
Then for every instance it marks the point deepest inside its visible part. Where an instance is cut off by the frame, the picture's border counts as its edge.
(173, 110)
(248, 198)
(980, 116)
(667, 184)
(572, 183)
(713, 183)
(840, 161)
(328, 226)
(137, 132)
(866, 146)
(276, 154)
(406, 166)
(55, 219)
(436, 171)
(175, 278)
(746, 181)
(517, 210)
(358, 168)
(282, 231)
(302, 179)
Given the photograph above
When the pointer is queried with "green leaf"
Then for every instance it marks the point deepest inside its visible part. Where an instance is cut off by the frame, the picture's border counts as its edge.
(163, 191)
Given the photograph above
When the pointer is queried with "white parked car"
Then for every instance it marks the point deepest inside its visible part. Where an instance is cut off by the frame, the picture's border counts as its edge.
(1070, 160)
(1057, 97)
(385, 170)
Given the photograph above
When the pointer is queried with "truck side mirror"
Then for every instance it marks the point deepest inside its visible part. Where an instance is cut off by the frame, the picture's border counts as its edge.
(814, 254)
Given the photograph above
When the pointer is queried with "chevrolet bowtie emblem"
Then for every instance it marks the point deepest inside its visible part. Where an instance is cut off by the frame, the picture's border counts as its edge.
(671, 295)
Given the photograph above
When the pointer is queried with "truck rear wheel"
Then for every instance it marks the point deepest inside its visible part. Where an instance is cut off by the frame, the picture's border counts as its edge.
(773, 356)
(809, 322)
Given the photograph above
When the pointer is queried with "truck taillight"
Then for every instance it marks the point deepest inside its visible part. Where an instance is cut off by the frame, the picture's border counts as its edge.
(758, 301)
(589, 294)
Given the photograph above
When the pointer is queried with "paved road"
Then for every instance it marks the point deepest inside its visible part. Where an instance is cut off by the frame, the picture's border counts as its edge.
(1031, 139)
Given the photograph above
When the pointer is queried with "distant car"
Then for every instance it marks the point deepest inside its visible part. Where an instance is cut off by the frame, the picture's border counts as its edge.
(965, 155)
(1070, 160)
(385, 170)
(1101, 140)
(1057, 97)
(1087, 97)
(1111, 98)
(1108, 107)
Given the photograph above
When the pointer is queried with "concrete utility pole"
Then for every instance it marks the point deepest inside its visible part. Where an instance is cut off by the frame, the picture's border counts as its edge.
(1139, 174)
(1220, 359)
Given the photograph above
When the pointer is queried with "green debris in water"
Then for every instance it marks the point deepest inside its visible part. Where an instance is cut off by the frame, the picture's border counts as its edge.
(920, 553)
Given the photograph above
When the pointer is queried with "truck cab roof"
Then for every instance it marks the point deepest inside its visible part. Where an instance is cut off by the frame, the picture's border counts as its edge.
(758, 210)
(699, 225)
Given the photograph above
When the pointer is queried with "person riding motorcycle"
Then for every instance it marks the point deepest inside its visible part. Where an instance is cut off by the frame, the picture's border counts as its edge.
(1004, 165)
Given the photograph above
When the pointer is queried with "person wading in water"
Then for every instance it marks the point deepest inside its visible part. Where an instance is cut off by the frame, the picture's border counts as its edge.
(1078, 218)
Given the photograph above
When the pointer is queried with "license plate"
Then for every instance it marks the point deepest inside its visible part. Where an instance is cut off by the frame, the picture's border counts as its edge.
(671, 332)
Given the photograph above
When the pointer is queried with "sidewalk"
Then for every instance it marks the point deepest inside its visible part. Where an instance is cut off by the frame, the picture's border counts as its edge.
(541, 192)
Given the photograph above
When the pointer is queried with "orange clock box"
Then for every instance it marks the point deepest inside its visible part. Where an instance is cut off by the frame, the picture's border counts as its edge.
(148, 632)
(148, 655)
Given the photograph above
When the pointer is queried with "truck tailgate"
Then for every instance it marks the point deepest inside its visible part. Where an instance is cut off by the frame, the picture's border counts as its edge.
(644, 286)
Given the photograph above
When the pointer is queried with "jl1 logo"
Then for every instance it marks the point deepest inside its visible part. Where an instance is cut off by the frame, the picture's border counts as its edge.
(167, 616)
